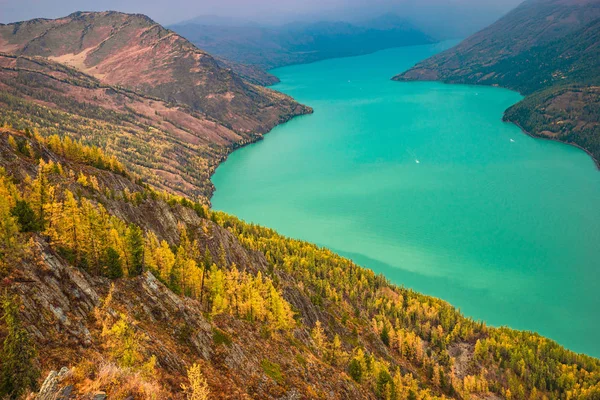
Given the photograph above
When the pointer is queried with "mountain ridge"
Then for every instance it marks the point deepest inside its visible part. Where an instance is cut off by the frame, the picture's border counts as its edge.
(270, 47)
(132, 50)
(115, 273)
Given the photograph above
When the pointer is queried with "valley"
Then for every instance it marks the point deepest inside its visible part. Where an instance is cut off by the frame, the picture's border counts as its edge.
(450, 261)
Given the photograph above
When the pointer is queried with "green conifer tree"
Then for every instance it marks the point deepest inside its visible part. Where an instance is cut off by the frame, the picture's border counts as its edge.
(113, 268)
(17, 370)
(25, 216)
(135, 248)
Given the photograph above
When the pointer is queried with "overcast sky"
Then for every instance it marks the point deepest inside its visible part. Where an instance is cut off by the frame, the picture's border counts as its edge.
(272, 11)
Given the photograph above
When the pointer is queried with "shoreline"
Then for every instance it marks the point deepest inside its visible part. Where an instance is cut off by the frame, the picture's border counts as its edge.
(397, 78)
(238, 145)
(371, 267)
(596, 162)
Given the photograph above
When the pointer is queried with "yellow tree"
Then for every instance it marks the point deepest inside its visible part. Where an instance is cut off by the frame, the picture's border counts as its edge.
(12, 245)
(165, 259)
(217, 290)
(318, 336)
(71, 224)
(280, 310)
(198, 387)
(40, 193)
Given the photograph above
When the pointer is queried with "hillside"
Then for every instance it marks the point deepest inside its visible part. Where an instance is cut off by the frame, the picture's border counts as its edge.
(133, 51)
(171, 145)
(296, 43)
(546, 49)
(124, 289)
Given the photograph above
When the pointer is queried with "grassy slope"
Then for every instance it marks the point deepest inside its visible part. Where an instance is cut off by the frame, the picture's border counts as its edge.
(131, 50)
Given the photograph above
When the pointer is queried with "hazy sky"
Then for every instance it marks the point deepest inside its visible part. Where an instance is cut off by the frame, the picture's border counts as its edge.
(273, 11)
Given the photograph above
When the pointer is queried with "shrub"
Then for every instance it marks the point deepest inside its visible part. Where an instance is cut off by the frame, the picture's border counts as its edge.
(220, 337)
(273, 370)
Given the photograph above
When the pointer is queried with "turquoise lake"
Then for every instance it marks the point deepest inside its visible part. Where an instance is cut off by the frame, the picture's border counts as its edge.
(424, 183)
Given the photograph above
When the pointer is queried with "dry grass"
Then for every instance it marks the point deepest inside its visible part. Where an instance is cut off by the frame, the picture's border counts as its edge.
(117, 382)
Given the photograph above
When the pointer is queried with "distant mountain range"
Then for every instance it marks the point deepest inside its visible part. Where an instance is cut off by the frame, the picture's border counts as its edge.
(545, 49)
(271, 47)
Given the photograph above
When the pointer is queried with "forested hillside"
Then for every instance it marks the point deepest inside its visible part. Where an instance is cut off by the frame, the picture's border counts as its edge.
(545, 49)
(117, 280)
(136, 292)
(169, 145)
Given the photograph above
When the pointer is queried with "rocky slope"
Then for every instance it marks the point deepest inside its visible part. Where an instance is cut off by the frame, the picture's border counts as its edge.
(351, 334)
(135, 52)
(62, 308)
(533, 23)
(546, 49)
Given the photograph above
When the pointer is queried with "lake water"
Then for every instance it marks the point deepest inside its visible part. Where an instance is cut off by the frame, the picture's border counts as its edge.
(424, 183)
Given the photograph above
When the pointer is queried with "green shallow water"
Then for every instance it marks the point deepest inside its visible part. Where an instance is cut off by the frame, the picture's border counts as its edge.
(503, 226)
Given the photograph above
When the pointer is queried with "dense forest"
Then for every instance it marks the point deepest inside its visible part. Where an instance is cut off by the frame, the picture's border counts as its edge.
(313, 311)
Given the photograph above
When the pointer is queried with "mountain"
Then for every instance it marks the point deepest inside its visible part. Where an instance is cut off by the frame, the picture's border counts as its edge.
(118, 281)
(108, 80)
(133, 51)
(545, 49)
(294, 43)
(112, 289)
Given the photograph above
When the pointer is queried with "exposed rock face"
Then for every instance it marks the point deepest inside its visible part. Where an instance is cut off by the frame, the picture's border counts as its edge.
(52, 389)
(61, 306)
(58, 309)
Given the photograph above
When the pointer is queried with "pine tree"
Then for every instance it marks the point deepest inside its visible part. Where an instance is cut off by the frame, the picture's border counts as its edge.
(385, 335)
(40, 193)
(355, 370)
(17, 370)
(12, 246)
(135, 249)
(217, 290)
(318, 335)
(336, 350)
(70, 218)
(25, 216)
(165, 260)
(113, 267)
(206, 264)
(124, 342)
